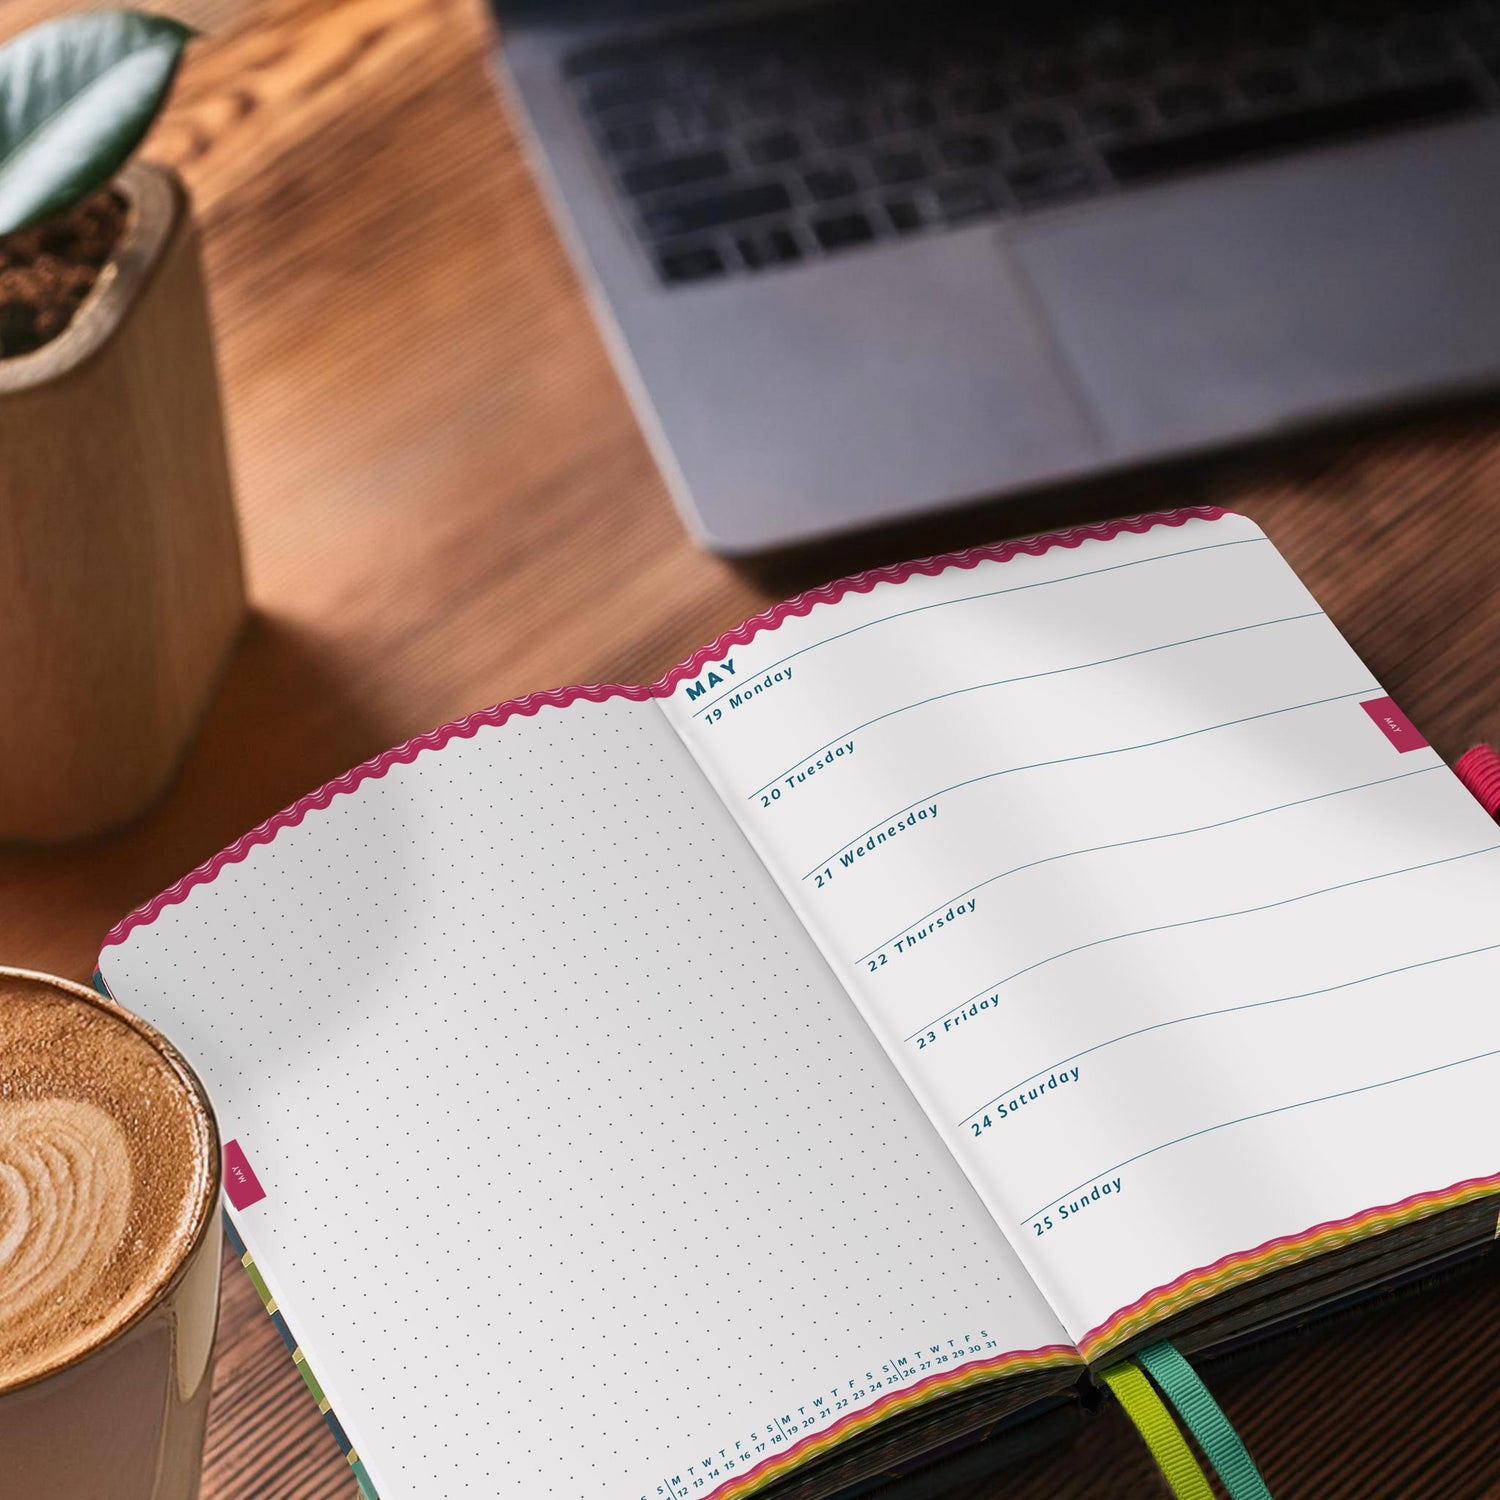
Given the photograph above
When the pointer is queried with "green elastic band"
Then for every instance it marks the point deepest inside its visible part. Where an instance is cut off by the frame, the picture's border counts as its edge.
(1181, 1386)
(1154, 1423)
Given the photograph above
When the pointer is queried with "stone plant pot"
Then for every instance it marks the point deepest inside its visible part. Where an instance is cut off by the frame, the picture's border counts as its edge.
(121, 592)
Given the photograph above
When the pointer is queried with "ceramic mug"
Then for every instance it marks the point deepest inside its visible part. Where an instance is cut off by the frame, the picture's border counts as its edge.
(121, 1414)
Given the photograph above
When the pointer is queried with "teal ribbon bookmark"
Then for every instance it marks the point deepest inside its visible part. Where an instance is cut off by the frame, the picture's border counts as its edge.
(1219, 1441)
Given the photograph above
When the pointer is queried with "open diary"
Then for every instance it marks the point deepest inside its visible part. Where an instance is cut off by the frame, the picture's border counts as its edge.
(844, 1048)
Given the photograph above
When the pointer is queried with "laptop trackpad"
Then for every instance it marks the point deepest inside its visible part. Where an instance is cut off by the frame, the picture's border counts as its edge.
(1230, 304)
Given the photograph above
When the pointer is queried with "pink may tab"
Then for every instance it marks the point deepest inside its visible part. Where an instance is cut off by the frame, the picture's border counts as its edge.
(1394, 724)
(241, 1185)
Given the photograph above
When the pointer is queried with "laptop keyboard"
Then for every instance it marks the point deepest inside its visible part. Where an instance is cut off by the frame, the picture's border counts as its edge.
(760, 145)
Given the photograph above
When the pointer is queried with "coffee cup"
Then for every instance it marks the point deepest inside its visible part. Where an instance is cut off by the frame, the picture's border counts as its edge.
(109, 1250)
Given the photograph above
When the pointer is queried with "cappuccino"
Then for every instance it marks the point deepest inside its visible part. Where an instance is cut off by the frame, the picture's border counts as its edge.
(106, 1158)
(109, 1241)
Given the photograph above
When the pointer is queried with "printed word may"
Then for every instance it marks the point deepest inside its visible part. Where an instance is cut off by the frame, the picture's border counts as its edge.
(714, 677)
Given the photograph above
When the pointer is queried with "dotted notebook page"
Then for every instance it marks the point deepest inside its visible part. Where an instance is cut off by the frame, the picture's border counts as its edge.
(583, 1177)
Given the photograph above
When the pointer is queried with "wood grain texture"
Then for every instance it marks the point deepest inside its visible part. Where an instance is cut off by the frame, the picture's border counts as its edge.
(445, 502)
(121, 591)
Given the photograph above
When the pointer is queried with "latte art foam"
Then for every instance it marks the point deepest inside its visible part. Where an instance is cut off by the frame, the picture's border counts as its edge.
(107, 1160)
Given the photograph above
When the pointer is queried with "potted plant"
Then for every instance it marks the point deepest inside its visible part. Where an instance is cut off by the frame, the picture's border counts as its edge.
(121, 591)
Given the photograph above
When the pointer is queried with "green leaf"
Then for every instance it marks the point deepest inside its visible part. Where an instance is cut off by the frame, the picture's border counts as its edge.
(76, 97)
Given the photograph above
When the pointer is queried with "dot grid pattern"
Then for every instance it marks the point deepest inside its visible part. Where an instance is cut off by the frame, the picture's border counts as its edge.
(580, 1165)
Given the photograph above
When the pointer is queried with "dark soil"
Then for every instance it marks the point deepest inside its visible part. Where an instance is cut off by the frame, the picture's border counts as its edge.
(47, 270)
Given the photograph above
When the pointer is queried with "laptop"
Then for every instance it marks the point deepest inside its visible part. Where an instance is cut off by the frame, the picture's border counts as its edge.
(859, 260)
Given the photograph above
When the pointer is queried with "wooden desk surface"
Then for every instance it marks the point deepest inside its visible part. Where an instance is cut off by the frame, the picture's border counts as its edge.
(446, 502)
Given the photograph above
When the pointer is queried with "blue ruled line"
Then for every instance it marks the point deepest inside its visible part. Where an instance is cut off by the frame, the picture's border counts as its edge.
(1261, 1115)
(1222, 916)
(1148, 838)
(1104, 661)
(1064, 760)
(1229, 1010)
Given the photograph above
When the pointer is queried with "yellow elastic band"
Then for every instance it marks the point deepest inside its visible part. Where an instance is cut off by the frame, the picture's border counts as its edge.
(1160, 1433)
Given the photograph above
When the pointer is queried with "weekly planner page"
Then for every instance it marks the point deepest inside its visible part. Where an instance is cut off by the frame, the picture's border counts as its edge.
(1183, 937)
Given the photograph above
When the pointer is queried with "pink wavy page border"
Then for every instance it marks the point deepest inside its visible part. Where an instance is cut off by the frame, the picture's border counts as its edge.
(465, 728)
(1406, 1207)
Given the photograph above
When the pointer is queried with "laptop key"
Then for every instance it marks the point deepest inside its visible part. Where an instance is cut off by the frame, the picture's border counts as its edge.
(981, 96)
(624, 136)
(618, 90)
(958, 201)
(841, 232)
(896, 167)
(1046, 182)
(907, 114)
(842, 130)
(825, 184)
(772, 248)
(771, 150)
(1189, 102)
(669, 220)
(693, 263)
(1047, 77)
(1267, 84)
(766, 99)
(675, 172)
(693, 121)
(1345, 70)
(1109, 116)
(904, 215)
(782, 244)
(960, 151)
(1037, 133)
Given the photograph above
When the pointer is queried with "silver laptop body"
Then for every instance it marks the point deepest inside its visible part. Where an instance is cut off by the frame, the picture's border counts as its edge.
(857, 261)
